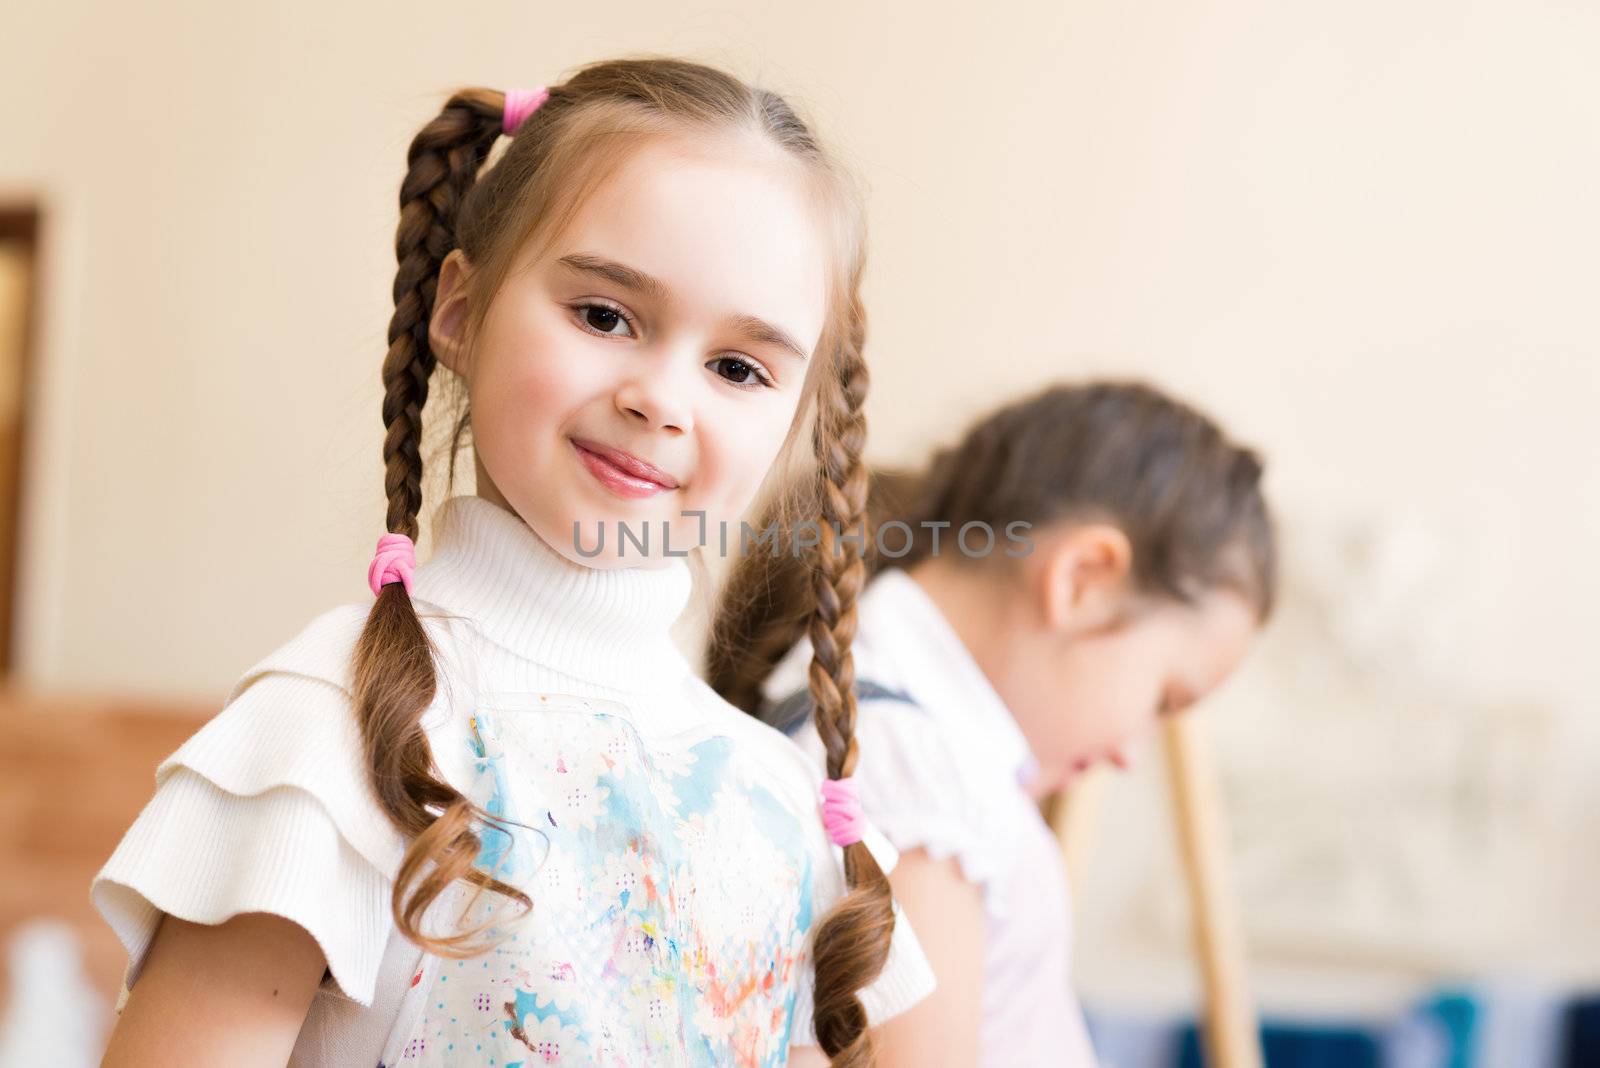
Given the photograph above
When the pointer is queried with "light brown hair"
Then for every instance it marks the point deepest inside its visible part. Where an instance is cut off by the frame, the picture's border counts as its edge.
(559, 155)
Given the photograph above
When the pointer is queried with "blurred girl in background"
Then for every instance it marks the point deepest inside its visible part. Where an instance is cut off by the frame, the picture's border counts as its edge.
(997, 665)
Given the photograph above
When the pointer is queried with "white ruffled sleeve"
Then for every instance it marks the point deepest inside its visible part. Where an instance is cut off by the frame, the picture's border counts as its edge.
(268, 808)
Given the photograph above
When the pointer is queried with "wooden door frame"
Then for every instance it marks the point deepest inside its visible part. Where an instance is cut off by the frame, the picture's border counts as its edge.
(20, 222)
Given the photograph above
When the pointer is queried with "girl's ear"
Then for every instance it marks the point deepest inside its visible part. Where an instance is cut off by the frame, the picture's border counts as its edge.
(447, 327)
(1085, 577)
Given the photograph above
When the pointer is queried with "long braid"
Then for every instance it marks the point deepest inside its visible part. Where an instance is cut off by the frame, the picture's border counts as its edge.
(852, 942)
(395, 678)
(442, 164)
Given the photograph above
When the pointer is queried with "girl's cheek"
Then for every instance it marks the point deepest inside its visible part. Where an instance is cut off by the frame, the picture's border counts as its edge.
(724, 487)
(538, 381)
(743, 451)
(554, 381)
(539, 348)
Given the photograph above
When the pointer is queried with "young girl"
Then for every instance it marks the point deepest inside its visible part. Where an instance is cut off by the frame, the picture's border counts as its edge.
(494, 818)
(1129, 563)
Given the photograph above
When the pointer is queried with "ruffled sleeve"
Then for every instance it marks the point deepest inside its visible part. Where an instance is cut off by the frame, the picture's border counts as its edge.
(268, 808)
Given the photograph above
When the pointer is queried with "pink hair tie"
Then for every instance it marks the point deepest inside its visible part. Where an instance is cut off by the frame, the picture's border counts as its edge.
(841, 811)
(520, 103)
(396, 559)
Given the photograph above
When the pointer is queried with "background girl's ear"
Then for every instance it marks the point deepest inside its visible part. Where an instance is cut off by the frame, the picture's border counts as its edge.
(447, 325)
(1085, 577)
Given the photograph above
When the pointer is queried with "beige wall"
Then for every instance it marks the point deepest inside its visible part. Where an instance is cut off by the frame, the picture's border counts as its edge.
(1365, 235)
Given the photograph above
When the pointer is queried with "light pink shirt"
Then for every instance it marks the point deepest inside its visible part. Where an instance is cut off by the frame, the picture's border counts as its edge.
(944, 772)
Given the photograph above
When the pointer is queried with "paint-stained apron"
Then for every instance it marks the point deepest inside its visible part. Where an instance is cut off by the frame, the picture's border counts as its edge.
(671, 900)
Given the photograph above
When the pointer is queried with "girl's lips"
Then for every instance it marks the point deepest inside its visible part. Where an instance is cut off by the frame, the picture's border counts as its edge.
(621, 473)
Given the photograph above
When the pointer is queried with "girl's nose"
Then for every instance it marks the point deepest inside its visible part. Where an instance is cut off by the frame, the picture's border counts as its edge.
(1122, 757)
(658, 397)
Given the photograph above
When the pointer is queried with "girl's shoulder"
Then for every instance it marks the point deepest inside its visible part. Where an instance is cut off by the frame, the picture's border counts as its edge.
(289, 719)
(911, 751)
(268, 807)
(925, 784)
(324, 648)
(320, 650)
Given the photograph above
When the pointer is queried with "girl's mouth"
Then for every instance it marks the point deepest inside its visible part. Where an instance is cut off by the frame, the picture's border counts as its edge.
(622, 473)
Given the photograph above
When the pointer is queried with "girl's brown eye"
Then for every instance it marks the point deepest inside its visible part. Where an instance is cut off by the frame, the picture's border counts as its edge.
(739, 373)
(602, 319)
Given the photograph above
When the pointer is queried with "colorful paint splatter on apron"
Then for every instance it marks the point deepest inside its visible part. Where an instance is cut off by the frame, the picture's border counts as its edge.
(671, 902)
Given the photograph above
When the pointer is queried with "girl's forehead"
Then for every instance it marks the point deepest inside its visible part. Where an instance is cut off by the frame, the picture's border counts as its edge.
(724, 228)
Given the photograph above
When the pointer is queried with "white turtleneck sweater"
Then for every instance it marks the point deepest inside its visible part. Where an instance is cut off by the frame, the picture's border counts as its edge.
(673, 846)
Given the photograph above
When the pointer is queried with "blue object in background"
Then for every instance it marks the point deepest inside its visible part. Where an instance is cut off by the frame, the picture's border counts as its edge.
(1457, 1014)
(1582, 1037)
(1511, 1023)
(1294, 1046)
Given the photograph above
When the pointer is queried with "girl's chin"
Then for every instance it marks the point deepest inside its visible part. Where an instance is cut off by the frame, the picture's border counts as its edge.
(1046, 782)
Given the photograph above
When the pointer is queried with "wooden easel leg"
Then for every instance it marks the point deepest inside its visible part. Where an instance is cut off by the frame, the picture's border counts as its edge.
(1232, 1039)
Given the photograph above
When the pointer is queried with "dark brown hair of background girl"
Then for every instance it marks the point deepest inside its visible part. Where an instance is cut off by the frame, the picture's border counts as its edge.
(562, 152)
(1188, 499)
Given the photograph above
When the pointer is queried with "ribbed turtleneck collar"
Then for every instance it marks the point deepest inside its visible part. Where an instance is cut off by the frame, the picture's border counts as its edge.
(609, 626)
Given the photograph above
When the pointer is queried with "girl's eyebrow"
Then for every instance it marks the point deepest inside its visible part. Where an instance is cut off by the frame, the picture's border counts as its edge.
(753, 327)
(620, 273)
(762, 331)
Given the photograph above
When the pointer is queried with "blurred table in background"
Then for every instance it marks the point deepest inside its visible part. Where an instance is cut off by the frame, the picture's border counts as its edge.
(74, 772)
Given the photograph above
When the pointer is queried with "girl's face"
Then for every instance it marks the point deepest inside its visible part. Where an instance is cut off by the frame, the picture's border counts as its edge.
(1092, 669)
(651, 361)
(1111, 686)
